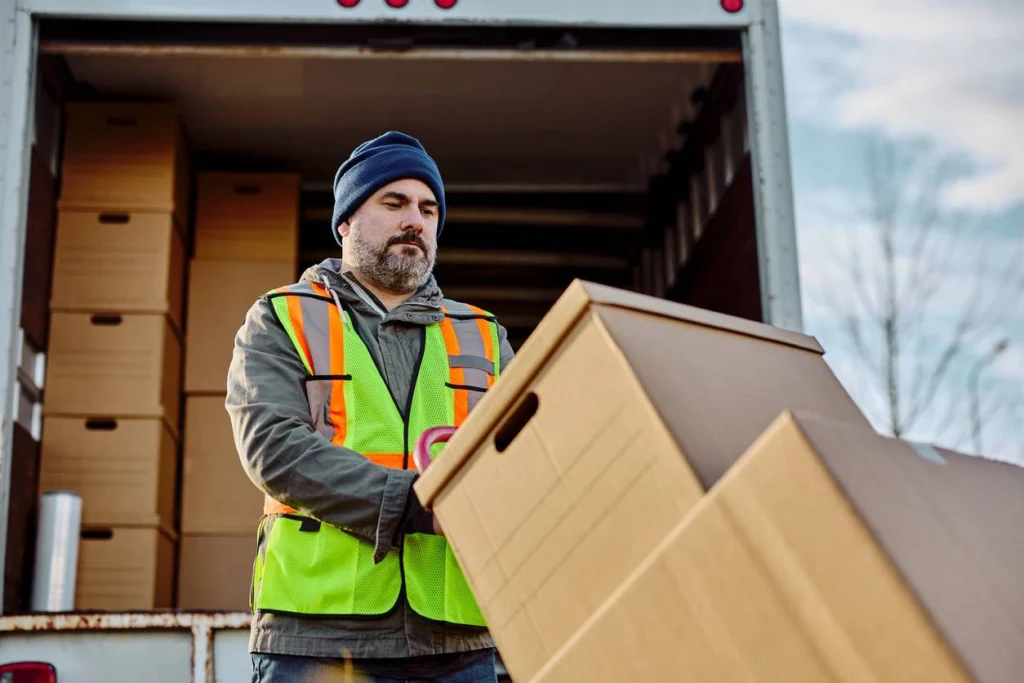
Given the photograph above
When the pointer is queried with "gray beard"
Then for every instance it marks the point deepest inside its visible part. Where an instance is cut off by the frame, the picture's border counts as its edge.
(389, 271)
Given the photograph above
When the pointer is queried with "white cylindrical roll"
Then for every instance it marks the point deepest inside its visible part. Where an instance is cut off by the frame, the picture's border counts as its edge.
(56, 562)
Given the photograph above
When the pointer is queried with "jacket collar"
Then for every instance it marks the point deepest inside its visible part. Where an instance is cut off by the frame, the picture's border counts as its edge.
(423, 307)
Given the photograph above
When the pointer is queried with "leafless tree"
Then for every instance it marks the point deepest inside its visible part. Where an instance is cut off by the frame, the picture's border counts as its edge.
(896, 280)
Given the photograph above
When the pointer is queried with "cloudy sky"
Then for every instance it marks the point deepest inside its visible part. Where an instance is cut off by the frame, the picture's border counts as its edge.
(940, 83)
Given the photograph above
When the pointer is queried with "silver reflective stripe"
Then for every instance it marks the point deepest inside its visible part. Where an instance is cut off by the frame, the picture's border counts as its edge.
(318, 393)
(475, 378)
(318, 335)
(470, 341)
(475, 362)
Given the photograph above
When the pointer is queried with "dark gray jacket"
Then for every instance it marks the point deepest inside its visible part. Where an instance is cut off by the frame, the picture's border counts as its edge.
(285, 457)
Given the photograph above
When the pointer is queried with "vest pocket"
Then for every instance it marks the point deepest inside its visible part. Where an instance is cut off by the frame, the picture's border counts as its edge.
(325, 572)
(436, 587)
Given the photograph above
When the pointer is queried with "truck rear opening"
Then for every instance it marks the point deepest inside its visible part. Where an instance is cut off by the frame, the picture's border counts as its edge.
(615, 156)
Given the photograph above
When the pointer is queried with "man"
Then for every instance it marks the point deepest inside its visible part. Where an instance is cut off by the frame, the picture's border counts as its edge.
(331, 383)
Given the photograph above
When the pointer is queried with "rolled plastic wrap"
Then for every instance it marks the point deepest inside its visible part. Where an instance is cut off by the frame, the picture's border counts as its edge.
(56, 561)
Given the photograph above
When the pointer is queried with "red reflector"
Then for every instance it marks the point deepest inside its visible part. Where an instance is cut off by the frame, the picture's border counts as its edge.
(348, 3)
(732, 6)
(28, 672)
(397, 4)
(446, 4)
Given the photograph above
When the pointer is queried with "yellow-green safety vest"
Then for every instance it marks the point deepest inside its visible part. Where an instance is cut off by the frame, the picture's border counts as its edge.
(307, 567)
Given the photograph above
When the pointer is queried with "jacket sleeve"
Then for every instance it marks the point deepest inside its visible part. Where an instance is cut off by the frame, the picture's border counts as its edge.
(286, 458)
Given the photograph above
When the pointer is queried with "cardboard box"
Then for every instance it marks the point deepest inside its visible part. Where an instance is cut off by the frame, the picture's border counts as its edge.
(125, 262)
(617, 414)
(125, 470)
(215, 572)
(247, 216)
(220, 295)
(217, 496)
(828, 553)
(123, 569)
(113, 365)
(125, 156)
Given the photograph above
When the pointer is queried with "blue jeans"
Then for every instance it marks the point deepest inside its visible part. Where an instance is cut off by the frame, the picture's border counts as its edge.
(285, 668)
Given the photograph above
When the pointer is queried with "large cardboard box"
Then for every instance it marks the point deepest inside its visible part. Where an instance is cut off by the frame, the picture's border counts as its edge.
(220, 295)
(247, 216)
(126, 262)
(113, 365)
(125, 156)
(215, 572)
(123, 569)
(125, 470)
(828, 553)
(617, 414)
(217, 496)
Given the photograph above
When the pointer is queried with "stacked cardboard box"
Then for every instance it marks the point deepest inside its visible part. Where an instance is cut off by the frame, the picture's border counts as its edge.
(828, 553)
(594, 503)
(246, 243)
(111, 406)
(618, 414)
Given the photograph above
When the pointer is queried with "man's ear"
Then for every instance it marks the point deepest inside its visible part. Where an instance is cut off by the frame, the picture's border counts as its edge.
(344, 229)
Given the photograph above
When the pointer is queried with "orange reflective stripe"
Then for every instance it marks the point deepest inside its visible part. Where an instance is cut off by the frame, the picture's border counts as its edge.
(273, 507)
(336, 338)
(295, 313)
(392, 460)
(456, 376)
(318, 289)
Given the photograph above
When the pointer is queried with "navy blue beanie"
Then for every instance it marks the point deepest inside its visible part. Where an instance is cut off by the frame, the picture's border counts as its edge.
(372, 165)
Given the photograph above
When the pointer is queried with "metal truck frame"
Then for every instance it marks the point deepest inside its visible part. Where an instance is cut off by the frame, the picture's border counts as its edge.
(19, 44)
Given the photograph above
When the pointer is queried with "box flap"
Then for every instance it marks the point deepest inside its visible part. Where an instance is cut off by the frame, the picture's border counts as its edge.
(544, 341)
(952, 526)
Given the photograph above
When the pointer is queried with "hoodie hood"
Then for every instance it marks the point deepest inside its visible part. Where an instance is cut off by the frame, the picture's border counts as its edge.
(423, 307)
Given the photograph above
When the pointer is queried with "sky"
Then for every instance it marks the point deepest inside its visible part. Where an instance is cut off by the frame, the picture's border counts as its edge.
(941, 84)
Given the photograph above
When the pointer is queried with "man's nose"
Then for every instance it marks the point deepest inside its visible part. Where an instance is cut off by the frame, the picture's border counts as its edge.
(412, 220)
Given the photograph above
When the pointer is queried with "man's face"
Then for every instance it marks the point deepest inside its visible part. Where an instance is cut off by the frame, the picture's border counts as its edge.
(392, 237)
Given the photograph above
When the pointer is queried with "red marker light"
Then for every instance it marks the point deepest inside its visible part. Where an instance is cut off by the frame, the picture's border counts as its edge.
(732, 6)
(446, 4)
(348, 3)
(397, 4)
(28, 672)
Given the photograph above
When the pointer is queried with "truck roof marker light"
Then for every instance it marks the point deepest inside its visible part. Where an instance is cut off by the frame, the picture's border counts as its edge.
(445, 4)
(732, 6)
(397, 4)
(348, 3)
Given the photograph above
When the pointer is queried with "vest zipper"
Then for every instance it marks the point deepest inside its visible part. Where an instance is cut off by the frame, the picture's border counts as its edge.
(403, 593)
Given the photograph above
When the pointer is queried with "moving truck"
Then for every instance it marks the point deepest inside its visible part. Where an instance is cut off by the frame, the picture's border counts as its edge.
(636, 144)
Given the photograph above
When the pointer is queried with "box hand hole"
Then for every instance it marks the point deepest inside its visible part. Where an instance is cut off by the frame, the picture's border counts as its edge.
(104, 533)
(248, 189)
(114, 218)
(101, 424)
(516, 422)
(107, 319)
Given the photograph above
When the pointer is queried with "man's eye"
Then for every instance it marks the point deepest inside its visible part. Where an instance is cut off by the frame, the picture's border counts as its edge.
(392, 205)
(428, 212)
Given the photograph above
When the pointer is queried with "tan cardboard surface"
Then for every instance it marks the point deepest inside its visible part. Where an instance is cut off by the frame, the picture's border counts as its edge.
(717, 390)
(124, 469)
(217, 496)
(546, 528)
(775, 573)
(215, 572)
(124, 156)
(124, 569)
(247, 216)
(113, 366)
(220, 294)
(123, 262)
(951, 524)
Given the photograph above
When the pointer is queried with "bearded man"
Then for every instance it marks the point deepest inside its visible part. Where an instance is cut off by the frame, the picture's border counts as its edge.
(332, 381)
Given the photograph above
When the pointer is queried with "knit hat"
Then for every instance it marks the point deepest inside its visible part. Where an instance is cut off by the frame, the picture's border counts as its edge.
(373, 164)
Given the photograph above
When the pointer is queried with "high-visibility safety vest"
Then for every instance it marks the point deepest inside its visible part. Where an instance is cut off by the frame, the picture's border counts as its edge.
(313, 568)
